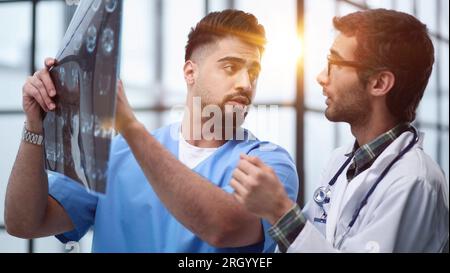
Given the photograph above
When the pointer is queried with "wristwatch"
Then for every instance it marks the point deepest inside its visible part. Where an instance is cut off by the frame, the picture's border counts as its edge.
(31, 137)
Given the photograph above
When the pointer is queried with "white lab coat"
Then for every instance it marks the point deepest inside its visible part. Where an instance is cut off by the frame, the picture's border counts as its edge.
(407, 212)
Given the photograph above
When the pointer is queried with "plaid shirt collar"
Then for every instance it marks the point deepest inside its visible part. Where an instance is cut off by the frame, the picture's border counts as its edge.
(365, 155)
(286, 230)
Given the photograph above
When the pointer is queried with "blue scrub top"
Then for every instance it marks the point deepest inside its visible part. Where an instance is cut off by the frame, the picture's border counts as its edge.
(131, 218)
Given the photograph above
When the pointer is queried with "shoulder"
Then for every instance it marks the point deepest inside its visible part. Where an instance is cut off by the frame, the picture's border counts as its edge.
(119, 144)
(269, 152)
(415, 176)
(277, 158)
(419, 170)
(272, 153)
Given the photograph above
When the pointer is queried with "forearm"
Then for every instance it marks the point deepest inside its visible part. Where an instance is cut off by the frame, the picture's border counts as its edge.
(287, 228)
(204, 208)
(279, 208)
(27, 191)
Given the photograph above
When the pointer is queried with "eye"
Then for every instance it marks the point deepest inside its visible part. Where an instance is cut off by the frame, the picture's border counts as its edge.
(231, 68)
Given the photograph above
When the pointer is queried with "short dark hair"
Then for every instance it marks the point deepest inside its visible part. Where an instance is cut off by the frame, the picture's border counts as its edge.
(397, 42)
(234, 23)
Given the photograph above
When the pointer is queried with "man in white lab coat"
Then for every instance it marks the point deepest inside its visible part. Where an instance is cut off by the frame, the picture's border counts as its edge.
(383, 193)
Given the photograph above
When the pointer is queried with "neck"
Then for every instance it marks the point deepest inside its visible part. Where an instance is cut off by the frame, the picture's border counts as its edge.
(191, 130)
(368, 130)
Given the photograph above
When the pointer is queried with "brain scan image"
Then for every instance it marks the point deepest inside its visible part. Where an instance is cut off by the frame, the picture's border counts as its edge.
(91, 39)
(110, 5)
(108, 41)
(78, 133)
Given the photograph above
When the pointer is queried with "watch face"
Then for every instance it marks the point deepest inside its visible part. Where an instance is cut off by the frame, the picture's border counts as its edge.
(78, 133)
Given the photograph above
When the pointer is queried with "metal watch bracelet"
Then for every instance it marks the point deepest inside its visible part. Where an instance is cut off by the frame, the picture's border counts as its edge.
(31, 137)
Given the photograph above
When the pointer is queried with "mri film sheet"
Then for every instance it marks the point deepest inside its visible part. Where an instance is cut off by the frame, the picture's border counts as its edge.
(78, 133)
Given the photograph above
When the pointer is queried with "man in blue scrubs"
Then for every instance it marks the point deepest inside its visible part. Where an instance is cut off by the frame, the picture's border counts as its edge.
(167, 191)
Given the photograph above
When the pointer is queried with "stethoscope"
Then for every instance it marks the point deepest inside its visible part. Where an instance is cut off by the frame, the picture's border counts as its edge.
(323, 194)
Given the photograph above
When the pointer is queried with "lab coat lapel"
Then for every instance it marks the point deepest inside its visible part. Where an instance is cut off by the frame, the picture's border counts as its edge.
(365, 180)
(351, 200)
(337, 193)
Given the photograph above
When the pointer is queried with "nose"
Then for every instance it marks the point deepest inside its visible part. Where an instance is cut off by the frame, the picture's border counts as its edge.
(244, 82)
(323, 78)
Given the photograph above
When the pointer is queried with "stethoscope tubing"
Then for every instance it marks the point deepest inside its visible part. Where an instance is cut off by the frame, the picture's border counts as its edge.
(372, 189)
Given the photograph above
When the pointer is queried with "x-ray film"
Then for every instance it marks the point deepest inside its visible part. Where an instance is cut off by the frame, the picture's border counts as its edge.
(78, 133)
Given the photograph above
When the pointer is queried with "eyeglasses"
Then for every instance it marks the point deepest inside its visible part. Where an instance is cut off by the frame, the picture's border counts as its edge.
(353, 64)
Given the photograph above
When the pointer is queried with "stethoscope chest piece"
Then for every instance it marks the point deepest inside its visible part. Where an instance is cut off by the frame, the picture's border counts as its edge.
(322, 195)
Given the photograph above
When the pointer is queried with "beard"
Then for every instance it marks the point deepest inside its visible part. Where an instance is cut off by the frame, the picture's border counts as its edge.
(222, 117)
(353, 106)
(234, 115)
(228, 109)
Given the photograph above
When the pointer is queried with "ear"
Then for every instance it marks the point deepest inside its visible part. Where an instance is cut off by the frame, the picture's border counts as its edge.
(189, 72)
(381, 83)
